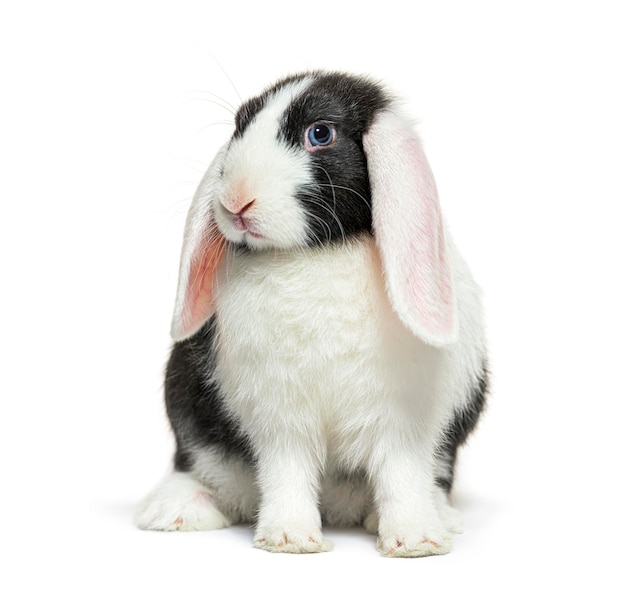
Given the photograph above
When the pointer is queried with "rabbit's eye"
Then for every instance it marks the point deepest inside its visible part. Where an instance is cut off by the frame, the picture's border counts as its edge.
(320, 135)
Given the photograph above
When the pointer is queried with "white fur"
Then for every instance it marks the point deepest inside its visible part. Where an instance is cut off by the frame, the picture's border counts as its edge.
(180, 503)
(336, 380)
(253, 167)
(258, 167)
(232, 482)
(320, 372)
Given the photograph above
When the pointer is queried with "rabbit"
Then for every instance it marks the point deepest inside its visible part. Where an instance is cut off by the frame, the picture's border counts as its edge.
(329, 354)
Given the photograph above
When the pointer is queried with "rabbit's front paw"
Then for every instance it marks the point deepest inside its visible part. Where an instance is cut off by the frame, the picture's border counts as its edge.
(411, 546)
(417, 541)
(291, 540)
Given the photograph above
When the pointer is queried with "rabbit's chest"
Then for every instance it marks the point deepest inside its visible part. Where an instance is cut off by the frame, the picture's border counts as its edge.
(283, 307)
(307, 336)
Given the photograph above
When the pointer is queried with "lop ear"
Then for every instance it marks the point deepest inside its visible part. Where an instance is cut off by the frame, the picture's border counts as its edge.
(201, 257)
(409, 231)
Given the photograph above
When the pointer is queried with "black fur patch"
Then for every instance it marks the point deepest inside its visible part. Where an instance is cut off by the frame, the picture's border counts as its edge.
(464, 422)
(246, 113)
(248, 110)
(338, 202)
(194, 405)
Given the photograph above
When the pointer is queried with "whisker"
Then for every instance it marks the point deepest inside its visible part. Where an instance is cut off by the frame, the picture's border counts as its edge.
(319, 201)
(224, 105)
(228, 267)
(221, 67)
(217, 97)
(351, 190)
(334, 187)
(331, 184)
(323, 224)
(332, 211)
(212, 254)
(223, 122)
(192, 163)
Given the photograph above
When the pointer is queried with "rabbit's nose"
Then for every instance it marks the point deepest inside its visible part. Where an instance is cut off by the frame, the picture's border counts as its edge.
(244, 208)
(238, 205)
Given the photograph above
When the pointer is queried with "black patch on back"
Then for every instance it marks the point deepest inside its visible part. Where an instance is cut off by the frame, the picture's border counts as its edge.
(194, 404)
(459, 429)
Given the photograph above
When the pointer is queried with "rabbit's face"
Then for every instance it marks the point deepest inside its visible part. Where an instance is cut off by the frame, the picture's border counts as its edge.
(294, 173)
(315, 159)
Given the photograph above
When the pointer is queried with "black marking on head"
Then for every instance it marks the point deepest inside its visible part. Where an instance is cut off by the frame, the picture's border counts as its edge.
(338, 202)
(340, 98)
(246, 113)
(249, 109)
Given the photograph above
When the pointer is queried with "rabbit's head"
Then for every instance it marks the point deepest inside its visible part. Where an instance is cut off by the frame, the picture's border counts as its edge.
(314, 160)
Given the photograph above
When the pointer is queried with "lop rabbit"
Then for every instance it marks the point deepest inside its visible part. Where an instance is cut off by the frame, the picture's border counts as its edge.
(329, 353)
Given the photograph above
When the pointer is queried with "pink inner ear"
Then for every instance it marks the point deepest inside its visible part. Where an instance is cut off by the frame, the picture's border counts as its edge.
(201, 283)
(409, 231)
(429, 278)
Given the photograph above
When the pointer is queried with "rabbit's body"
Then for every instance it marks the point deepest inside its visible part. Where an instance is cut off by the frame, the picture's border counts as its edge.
(306, 395)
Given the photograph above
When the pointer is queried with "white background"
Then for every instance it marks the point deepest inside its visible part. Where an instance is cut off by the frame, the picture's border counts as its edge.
(107, 123)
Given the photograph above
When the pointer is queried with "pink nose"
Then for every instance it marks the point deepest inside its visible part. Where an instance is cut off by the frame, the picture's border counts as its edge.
(236, 208)
(245, 207)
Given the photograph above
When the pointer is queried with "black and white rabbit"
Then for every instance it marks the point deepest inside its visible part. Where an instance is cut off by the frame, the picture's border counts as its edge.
(329, 352)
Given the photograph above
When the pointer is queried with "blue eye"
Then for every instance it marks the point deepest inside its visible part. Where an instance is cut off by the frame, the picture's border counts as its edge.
(320, 134)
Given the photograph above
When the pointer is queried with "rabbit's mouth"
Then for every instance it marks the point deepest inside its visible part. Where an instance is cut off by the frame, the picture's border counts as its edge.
(237, 222)
(244, 224)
